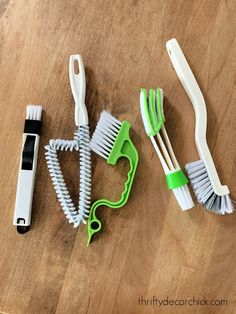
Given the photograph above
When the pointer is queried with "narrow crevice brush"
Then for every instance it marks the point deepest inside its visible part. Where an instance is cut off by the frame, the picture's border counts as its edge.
(153, 120)
(202, 174)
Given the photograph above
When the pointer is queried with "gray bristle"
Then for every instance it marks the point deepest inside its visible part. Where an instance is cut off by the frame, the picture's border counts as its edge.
(105, 134)
(203, 189)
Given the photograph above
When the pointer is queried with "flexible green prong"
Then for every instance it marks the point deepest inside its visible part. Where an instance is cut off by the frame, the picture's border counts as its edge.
(148, 122)
(153, 111)
(159, 111)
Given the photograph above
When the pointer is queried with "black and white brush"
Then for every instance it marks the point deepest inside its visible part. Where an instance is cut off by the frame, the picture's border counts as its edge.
(28, 166)
(202, 174)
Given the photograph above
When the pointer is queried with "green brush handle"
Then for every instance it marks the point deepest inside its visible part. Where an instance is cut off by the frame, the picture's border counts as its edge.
(123, 147)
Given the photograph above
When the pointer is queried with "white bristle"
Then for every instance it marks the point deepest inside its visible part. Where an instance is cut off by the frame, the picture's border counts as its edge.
(203, 189)
(33, 112)
(183, 197)
(105, 134)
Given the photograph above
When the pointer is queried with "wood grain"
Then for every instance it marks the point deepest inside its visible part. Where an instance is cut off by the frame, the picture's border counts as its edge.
(149, 247)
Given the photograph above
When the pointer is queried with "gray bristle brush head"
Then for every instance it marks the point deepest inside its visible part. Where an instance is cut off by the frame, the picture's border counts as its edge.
(203, 189)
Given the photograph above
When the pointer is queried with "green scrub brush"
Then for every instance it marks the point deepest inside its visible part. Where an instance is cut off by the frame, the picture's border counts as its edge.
(111, 141)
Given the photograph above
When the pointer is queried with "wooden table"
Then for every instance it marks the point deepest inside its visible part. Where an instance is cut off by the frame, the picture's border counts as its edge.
(149, 247)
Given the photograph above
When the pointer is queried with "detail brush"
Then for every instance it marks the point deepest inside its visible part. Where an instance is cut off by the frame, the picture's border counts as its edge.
(28, 165)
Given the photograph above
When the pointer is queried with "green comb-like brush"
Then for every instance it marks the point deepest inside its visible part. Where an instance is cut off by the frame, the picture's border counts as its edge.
(111, 141)
(153, 119)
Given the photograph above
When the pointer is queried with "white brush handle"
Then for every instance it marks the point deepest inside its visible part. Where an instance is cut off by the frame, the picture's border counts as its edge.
(170, 149)
(192, 89)
(78, 88)
(159, 154)
(25, 188)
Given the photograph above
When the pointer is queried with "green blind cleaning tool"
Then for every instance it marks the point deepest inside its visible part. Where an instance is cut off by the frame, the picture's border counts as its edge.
(111, 141)
(153, 120)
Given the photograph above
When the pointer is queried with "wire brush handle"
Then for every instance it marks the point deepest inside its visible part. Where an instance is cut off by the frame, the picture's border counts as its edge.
(79, 143)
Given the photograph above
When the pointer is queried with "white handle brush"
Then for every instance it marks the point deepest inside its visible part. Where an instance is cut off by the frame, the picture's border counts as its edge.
(80, 142)
(28, 166)
(202, 173)
(153, 120)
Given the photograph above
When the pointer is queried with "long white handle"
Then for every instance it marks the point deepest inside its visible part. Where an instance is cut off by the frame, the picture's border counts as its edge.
(78, 88)
(192, 89)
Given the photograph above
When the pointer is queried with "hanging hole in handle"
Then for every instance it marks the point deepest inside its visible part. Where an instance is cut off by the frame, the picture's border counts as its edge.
(169, 52)
(76, 67)
(95, 225)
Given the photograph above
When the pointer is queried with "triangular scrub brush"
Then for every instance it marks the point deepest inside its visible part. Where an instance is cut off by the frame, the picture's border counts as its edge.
(80, 143)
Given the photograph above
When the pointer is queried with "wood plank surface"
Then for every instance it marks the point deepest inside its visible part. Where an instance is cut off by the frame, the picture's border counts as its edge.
(149, 247)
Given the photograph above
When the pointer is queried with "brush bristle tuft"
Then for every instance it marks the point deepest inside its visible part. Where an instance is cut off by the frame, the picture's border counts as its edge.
(105, 134)
(33, 112)
(183, 197)
(203, 189)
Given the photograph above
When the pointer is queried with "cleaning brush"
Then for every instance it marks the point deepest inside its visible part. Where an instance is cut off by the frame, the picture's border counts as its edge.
(28, 166)
(202, 174)
(153, 120)
(80, 143)
(111, 141)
